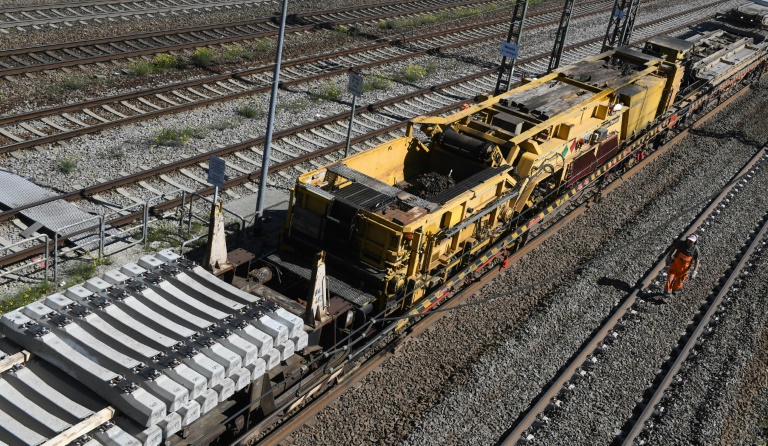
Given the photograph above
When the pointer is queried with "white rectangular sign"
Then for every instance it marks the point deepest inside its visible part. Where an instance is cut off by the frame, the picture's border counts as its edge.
(509, 50)
(216, 168)
(355, 86)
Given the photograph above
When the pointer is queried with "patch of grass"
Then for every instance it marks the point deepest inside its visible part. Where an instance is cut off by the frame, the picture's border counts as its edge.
(262, 46)
(78, 274)
(26, 296)
(375, 81)
(67, 165)
(202, 57)
(249, 112)
(165, 62)
(82, 272)
(413, 73)
(171, 137)
(326, 92)
(294, 106)
(164, 236)
(235, 52)
(344, 31)
(74, 83)
(222, 125)
(140, 69)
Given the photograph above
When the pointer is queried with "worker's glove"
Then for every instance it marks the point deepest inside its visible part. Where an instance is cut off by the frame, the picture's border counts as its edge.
(693, 276)
(668, 260)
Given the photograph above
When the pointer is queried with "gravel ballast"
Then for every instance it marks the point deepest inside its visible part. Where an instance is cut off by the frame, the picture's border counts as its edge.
(468, 379)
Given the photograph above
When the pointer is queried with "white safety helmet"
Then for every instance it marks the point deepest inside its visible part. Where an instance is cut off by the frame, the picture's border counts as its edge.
(693, 238)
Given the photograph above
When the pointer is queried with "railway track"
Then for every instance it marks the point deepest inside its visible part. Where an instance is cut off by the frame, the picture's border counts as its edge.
(290, 146)
(393, 345)
(550, 398)
(277, 435)
(60, 123)
(69, 13)
(695, 333)
(18, 61)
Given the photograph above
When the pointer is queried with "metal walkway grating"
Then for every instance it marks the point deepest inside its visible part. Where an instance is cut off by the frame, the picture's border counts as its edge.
(299, 266)
(17, 191)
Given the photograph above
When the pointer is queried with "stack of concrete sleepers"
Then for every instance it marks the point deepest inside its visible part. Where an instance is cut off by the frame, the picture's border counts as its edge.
(162, 341)
(40, 405)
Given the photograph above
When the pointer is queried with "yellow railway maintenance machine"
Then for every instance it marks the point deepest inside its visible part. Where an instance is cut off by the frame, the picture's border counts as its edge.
(417, 207)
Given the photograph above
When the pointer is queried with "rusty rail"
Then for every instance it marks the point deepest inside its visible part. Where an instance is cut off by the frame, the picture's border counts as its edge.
(92, 190)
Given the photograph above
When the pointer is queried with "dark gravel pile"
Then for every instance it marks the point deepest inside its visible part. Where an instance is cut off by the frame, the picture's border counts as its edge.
(468, 379)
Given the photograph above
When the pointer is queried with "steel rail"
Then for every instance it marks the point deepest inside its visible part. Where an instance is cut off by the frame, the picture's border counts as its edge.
(276, 436)
(101, 187)
(239, 36)
(555, 385)
(59, 18)
(79, 4)
(11, 119)
(85, 192)
(245, 92)
(674, 368)
(285, 429)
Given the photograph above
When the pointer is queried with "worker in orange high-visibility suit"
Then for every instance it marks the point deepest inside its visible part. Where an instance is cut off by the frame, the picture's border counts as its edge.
(683, 257)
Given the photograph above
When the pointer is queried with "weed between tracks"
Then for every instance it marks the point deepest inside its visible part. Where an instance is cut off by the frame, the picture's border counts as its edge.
(328, 91)
(71, 83)
(67, 165)
(344, 31)
(376, 81)
(294, 106)
(234, 52)
(203, 57)
(114, 153)
(250, 112)
(170, 137)
(74, 83)
(414, 73)
(262, 46)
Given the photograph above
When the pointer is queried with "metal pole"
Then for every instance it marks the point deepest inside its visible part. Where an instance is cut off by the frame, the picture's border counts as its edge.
(181, 215)
(102, 228)
(351, 121)
(55, 256)
(270, 120)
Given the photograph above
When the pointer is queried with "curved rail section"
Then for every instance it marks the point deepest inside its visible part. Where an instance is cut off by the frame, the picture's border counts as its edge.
(691, 338)
(535, 416)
